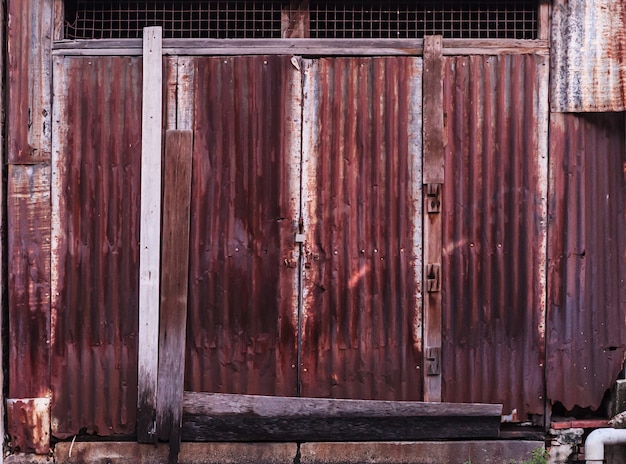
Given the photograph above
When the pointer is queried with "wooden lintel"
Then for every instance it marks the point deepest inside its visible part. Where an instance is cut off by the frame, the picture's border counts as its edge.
(174, 282)
(222, 417)
(150, 235)
(301, 46)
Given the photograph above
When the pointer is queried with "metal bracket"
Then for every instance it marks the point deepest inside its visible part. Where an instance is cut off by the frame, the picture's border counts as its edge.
(433, 277)
(433, 198)
(433, 359)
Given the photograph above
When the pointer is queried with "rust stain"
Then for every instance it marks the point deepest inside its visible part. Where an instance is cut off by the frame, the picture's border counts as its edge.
(29, 424)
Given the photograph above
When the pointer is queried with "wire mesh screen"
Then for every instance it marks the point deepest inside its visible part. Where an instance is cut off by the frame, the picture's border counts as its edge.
(88, 19)
(486, 19)
(367, 19)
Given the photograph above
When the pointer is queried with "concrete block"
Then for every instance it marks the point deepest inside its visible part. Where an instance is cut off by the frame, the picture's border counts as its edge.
(459, 452)
(190, 453)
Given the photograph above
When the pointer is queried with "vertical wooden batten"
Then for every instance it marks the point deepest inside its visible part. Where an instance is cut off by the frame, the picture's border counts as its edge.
(174, 285)
(433, 178)
(28, 141)
(150, 234)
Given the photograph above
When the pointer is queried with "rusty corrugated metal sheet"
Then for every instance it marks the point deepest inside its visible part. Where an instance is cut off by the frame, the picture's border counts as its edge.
(587, 257)
(241, 330)
(588, 55)
(95, 277)
(361, 213)
(494, 206)
(28, 211)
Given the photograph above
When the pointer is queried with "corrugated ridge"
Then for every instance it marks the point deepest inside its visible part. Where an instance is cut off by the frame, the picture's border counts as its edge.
(587, 257)
(94, 368)
(492, 348)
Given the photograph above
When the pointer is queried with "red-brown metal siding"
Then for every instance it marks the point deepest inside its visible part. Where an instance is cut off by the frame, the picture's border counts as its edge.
(586, 322)
(96, 250)
(493, 229)
(241, 333)
(361, 334)
(28, 209)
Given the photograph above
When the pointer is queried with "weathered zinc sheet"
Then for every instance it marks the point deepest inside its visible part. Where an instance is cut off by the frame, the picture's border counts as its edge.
(95, 256)
(494, 231)
(586, 324)
(361, 321)
(588, 55)
(242, 315)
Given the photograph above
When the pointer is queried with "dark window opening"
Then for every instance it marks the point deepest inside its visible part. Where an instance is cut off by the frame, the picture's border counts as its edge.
(359, 19)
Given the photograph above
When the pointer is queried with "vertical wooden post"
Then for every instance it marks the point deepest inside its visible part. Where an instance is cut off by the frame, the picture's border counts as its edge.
(433, 178)
(150, 234)
(174, 285)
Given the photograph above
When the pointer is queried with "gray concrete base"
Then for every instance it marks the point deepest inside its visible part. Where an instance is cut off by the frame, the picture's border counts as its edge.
(461, 452)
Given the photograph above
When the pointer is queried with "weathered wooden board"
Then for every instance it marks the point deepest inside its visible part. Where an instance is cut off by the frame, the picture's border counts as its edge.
(174, 285)
(29, 82)
(433, 177)
(150, 234)
(221, 417)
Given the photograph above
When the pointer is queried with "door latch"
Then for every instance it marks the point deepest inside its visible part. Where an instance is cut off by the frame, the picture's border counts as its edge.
(433, 198)
(433, 359)
(433, 277)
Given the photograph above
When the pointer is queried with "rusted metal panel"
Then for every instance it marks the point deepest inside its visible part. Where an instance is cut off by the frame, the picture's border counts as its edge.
(29, 425)
(494, 231)
(96, 167)
(588, 55)
(28, 220)
(29, 47)
(587, 257)
(361, 310)
(242, 327)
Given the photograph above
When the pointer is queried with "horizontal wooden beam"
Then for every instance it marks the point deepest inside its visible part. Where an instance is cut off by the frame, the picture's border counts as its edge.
(336, 47)
(223, 417)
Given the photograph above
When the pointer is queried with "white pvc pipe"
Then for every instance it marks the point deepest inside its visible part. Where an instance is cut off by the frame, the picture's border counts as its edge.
(595, 442)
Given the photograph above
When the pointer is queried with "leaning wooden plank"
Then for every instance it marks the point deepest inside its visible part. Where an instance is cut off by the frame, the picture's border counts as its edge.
(223, 417)
(174, 280)
(150, 235)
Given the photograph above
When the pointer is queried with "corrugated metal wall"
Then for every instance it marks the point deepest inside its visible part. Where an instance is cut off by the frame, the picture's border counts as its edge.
(242, 320)
(96, 160)
(494, 229)
(587, 256)
(589, 55)
(361, 214)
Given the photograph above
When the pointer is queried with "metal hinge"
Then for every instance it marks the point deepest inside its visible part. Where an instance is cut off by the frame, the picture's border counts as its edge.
(433, 198)
(433, 359)
(433, 277)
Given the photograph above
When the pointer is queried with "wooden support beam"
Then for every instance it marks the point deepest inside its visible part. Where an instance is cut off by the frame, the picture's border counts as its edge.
(150, 235)
(222, 417)
(174, 284)
(433, 178)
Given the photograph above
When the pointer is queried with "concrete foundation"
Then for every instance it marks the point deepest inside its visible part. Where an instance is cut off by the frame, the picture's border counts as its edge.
(461, 452)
